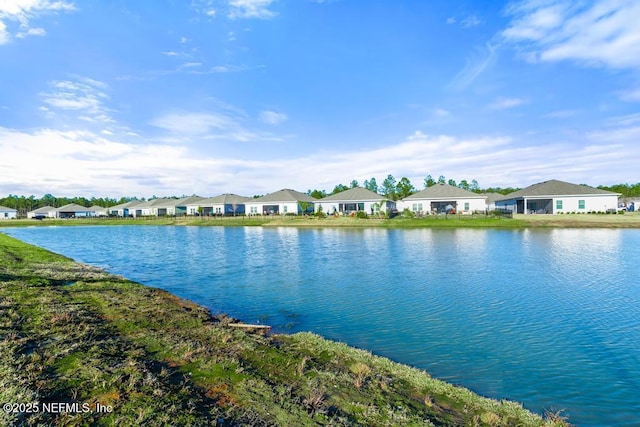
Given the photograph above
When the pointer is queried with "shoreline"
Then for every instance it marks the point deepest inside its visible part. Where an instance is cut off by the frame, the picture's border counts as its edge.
(519, 221)
(92, 337)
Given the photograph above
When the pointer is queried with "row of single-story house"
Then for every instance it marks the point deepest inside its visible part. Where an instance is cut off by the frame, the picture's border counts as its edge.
(549, 197)
(71, 210)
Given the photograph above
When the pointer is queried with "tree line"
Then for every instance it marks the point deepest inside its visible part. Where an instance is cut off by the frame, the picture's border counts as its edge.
(399, 189)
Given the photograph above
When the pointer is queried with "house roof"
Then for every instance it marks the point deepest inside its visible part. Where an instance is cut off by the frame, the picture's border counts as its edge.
(6, 209)
(97, 208)
(492, 197)
(124, 205)
(352, 195)
(224, 199)
(42, 210)
(284, 195)
(556, 188)
(72, 207)
(189, 200)
(444, 191)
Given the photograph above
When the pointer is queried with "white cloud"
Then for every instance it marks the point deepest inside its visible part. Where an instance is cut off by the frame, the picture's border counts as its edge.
(474, 68)
(226, 125)
(250, 9)
(54, 159)
(23, 12)
(632, 94)
(4, 34)
(505, 103)
(470, 21)
(272, 118)
(562, 114)
(602, 33)
(170, 53)
(441, 113)
(85, 96)
(451, 20)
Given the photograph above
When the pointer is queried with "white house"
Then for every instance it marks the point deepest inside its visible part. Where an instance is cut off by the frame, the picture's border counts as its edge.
(137, 209)
(122, 209)
(281, 202)
(7, 213)
(553, 197)
(99, 210)
(43, 212)
(224, 204)
(355, 200)
(441, 197)
(73, 210)
(491, 200)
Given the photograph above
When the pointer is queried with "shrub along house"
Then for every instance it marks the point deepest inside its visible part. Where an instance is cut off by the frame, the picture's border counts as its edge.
(224, 204)
(7, 213)
(281, 202)
(356, 199)
(441, 197)
(553, 197)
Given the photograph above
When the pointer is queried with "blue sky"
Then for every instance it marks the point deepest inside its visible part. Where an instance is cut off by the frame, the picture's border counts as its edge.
(114, 97)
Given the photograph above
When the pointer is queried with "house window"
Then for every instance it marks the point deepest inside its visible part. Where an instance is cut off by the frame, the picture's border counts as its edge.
(254, 210)
(580, 204)
(466, 206)
(419, 207)
(558, 204)
(284, 209)
(219, 210)
(415, 207)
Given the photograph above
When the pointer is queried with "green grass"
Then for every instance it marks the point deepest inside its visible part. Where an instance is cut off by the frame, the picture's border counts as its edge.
(628, 220)
(73, 333)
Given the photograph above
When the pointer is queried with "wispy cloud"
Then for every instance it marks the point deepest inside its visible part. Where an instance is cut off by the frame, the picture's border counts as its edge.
(250, 9)
(475, 66)
(600, 33)
(631, 94)
(221, 125)
(562, 114)
(506, 103)
(470, 21)
(84, 96)
(22, 12)
(53, 159)
(272, 117)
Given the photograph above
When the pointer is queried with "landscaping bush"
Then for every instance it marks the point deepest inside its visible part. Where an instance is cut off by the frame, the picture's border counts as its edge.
(408, 214)
(362, 215)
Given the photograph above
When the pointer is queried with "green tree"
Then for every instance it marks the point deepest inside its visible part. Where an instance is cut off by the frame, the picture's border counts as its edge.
(404, 188)
(354, 183)
(441, 179)
(371, 185)
(429, 181)
(452, 182)
(389, 187)
(318, 194)
(463, 184)
(339, 188)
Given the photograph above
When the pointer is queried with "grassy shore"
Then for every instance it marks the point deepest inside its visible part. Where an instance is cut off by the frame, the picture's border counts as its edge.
(628, 220)
(75, 334)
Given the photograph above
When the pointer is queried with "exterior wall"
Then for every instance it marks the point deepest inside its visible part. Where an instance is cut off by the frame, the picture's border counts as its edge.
(145, 211)
(369, 206)
(597, 203)
(471, 205)
(283, 208)
(8, 214)
(49, 214)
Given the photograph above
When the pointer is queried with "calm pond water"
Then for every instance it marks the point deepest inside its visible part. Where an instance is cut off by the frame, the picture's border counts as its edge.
(550, 318)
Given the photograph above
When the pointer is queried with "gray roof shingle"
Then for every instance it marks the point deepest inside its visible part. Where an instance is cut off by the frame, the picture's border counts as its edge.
(352, 195)
(284, 195)
(224, 199)
(444, 191)
(555, 188)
